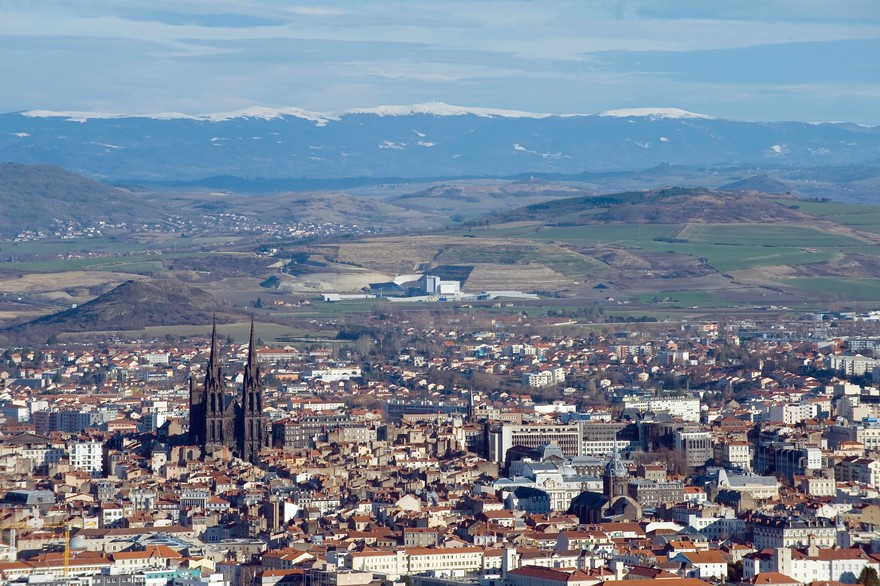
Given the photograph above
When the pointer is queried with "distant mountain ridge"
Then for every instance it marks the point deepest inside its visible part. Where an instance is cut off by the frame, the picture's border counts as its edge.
(674, 205)
(430, 108)
(419, 141)
(33, 197)
(321, 118)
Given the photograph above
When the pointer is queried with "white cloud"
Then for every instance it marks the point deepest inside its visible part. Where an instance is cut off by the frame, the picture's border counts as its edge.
(316, 11)
(337, 54)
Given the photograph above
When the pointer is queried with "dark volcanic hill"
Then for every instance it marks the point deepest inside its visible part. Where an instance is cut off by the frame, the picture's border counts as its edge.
(133, 305)
(665, 206)
(759, 183)
(33, 197)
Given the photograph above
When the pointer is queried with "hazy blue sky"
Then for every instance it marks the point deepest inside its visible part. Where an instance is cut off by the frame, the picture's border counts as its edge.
(813, 60)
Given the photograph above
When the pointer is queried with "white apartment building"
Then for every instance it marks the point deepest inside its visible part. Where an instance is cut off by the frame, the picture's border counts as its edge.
(851, 408)
(544, 378)
(87, 456)
(786, 532)
(686, 408)
(792, 413)
(111, 513)
(520, 350)
(604, 448)
(329, 375)
(39, 454)
(862, 470)
(155, 416)
(16, 411)
(391, 565)
(451, 562)
(624, 350)
(816, 486)
(734, 454)
(673, 357)
(156, 357)
(868, 435)
(816, 565)
(851, 365)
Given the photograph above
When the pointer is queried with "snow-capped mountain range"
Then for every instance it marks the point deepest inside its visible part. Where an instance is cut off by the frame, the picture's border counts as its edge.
(418, 141)
(430, 109)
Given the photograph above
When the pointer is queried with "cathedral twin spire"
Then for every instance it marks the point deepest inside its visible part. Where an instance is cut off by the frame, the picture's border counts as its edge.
(212, 373)
(252, 428)
(218, 420)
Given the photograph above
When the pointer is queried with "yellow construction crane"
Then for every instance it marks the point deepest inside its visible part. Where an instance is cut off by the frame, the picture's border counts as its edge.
(14, 526)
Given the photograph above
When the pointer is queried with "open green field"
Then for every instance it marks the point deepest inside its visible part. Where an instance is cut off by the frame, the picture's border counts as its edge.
(76, 246)
(322, 310)
(727, 247)
(572, 265)
(609, 233)
(687, 298)
(824, 209)
(586, 234)
(53, 247)
(105, 253)
(556, 258)
(511, 230)
(869, 221)
(860, 216)
(765, 235)
(499, 254)
(867, 289)
(240, 332)
(722, 257)
(184, 242)
(138, 267)
(725, 258)
(130, 264)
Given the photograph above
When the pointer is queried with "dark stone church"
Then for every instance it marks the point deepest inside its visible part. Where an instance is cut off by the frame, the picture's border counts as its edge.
(219, 422)
(613, 503)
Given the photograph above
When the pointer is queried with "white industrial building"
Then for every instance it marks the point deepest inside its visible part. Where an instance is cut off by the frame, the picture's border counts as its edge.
(433, 285)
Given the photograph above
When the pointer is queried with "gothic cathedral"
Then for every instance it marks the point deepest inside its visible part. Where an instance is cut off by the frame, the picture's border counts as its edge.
(217, 420)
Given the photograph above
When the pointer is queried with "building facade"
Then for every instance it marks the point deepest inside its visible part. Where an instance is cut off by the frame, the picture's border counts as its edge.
(218, 420)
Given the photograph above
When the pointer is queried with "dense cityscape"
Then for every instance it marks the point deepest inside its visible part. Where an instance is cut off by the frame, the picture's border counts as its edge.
(731, 451)
(385, 293)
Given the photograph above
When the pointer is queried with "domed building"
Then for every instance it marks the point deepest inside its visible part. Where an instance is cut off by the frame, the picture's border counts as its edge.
(614, 502)
(616, 477)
